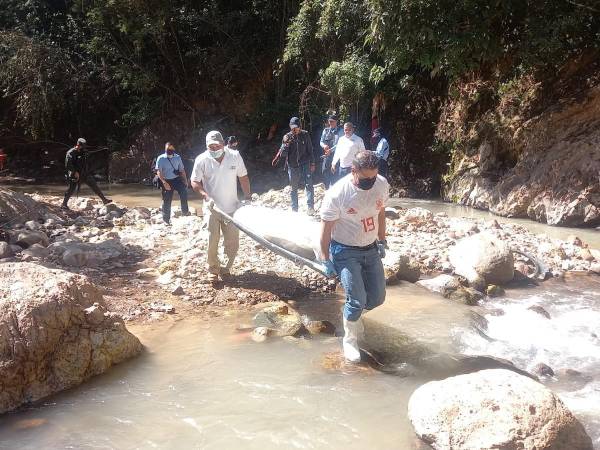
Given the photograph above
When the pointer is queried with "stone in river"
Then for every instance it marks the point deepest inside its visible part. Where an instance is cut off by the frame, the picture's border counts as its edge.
(280, 318)
(494, 409)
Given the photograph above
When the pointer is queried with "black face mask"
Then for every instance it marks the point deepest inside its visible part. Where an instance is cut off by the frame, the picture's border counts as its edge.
(170, 152)
(366, 183)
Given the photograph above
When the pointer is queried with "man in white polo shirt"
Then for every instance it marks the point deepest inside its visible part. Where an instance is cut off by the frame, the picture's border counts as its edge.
(347, 147)
(353, 242)
(215, 177)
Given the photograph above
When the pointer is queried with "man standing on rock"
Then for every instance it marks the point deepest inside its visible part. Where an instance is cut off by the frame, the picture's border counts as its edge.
(353, 242)
(214, 177)
(329, 140)
(297, 150)
(76, 171)
(171, 173)
(347, 147)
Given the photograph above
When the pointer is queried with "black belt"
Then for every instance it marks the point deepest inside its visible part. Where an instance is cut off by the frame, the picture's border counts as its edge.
(355, 247)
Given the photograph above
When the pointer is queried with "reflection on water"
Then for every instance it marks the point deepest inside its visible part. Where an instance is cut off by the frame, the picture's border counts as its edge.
(200, 385)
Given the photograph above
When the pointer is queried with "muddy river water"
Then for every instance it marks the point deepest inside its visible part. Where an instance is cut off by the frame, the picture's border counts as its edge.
(202, 384)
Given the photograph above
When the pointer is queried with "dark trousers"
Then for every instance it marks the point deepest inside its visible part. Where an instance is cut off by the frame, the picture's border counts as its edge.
(178, 185)
(328, 177)
(298, 176)
(90, 181)
(383, 168)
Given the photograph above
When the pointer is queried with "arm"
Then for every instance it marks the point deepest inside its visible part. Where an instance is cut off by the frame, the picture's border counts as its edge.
(198, 187)
(322, 143)
(326, 228)
(162, 178)
(245, 182)
(381, 223)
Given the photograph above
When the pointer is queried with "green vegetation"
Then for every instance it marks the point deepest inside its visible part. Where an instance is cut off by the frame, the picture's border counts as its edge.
(109, 69)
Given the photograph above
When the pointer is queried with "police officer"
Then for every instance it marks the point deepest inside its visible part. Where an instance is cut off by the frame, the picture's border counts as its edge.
(329, 139)
(77, 171)
(382, 151)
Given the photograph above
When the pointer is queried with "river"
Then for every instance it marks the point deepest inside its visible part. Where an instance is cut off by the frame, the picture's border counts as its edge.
(202, 384)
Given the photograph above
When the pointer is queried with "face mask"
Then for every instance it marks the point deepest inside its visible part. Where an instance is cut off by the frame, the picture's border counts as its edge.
(170, 153)
(216, 153)
(366, 183)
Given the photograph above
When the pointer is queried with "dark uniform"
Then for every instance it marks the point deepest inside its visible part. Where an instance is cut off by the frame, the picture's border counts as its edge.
(329, 137)
(75, 161)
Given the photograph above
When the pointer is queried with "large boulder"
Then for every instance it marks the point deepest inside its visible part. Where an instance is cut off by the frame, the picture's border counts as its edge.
(55, 333)
(15, 206)
(483, 255)
(494, 409)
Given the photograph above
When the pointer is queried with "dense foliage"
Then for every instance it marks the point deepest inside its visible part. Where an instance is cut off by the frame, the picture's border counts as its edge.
(111, 68)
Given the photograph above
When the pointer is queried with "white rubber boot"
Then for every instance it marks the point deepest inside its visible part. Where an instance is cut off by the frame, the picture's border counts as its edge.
(352, 330)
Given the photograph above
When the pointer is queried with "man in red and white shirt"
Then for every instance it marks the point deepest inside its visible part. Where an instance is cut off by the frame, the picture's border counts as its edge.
(353, 242)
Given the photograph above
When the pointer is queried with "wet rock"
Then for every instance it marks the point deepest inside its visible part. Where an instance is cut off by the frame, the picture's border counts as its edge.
(398, 266)
(260, 334)
(484, 255)
(318, 326)
(540, 310)
(494, 409)
(543, 370)
(280, 318)
(465, 295)
(58, 345)
(444, 284)
(494, 291)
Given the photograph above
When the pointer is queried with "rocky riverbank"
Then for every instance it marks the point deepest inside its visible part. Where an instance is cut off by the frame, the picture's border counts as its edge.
(149, 269)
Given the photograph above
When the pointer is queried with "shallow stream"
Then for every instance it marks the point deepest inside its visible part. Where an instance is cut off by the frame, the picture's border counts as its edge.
(202, 384)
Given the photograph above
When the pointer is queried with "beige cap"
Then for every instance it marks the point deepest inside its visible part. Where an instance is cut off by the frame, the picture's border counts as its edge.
(214, 137)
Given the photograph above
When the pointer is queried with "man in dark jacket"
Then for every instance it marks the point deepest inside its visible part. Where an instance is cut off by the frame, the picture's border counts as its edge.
(297, 150)
(76, 171)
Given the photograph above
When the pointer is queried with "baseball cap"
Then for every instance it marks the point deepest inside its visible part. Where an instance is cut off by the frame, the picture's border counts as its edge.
(295, 122)
(214, 137)
(332, 117)
(81, 141)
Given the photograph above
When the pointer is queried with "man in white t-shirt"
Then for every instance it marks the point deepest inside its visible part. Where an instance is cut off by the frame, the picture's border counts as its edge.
(347, 147)
(215, 176)
(353, 242)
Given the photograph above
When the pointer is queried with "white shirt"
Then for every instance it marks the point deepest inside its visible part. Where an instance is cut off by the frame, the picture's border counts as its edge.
(346, 150)
(355, 210)
(220, 179)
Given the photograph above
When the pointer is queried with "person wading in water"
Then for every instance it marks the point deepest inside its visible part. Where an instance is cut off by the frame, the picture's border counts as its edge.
(77, 170)
(353, 242)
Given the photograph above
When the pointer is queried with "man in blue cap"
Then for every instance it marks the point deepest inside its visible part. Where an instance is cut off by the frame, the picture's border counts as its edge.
(382, 151)
(329, 140)
(297, 150)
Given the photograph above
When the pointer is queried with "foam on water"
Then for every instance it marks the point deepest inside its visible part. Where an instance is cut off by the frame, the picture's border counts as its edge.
(569, 340)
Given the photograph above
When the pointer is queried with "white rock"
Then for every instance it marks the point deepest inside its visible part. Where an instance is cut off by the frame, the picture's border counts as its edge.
(493, 409)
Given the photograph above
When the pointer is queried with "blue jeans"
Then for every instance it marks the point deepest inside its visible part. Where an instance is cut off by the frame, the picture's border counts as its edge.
(362, 276)
(302, 175)
(178, 185)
